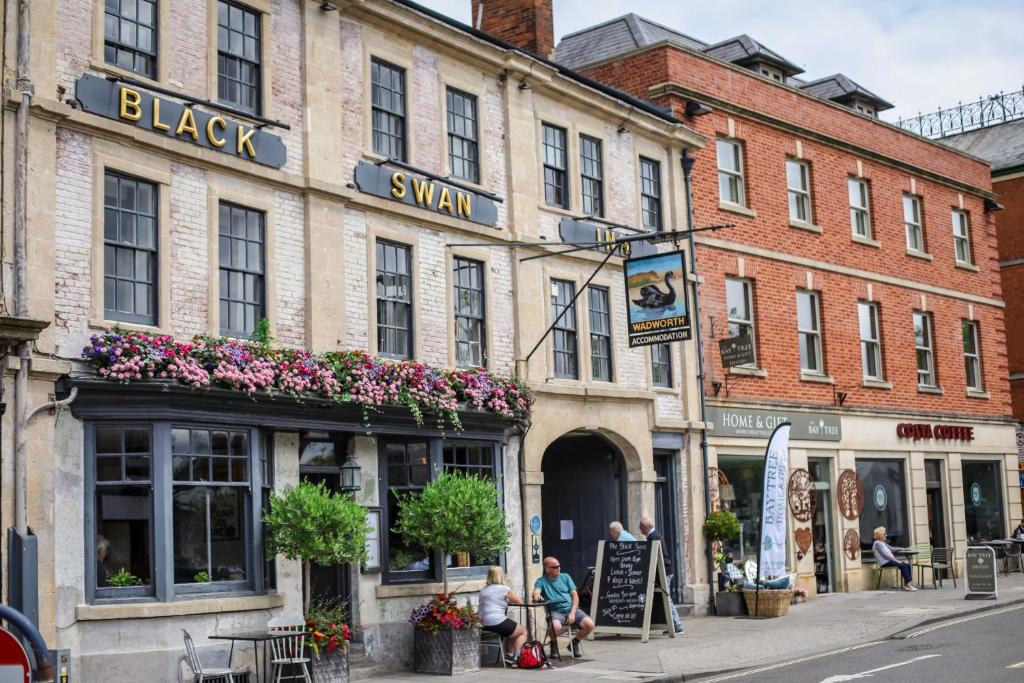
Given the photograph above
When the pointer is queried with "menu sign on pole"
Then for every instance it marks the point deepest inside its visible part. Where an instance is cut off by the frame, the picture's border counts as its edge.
(631, 589)
(980, 572)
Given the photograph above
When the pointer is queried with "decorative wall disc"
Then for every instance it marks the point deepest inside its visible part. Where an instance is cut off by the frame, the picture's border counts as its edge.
(803, 539)
(851, 544)
(850, 494)
(801, 495)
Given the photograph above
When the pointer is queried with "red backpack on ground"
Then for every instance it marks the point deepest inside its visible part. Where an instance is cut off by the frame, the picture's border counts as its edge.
(532, 656)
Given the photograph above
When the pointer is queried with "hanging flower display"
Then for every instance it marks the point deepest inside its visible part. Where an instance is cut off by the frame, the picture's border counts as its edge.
(343, 376)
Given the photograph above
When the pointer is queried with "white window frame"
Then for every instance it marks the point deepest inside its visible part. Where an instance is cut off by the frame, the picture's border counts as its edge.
(925, 344)
(972, 358)
(860, 214)
(913, 223)
(799, 196)
(870, 345)
(962, 236)
(735, 178)
(812, 335)
(748, 322)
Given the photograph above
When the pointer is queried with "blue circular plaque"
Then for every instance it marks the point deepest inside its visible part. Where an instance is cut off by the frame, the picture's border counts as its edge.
(976, 494)
(535, 524)
(881, 498)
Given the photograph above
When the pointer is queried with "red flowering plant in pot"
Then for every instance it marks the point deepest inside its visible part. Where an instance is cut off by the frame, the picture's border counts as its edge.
(443, 612)
(329, 638)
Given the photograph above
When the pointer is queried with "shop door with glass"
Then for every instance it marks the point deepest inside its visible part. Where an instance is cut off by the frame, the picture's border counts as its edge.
(320, 462)
(934, 501)
(821, 525)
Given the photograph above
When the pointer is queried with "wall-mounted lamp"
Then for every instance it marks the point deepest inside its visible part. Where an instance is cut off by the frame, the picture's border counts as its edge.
(694, 108)
(328, 6)
(622, 129)
(992, 205)
(840, 398)
(351, 474)
(716, 386)
(523, 85)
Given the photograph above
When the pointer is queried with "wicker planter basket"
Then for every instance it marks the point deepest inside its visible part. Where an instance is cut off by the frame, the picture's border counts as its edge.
(330, 667)
(770, 603)
(450, 651)
(730, 604)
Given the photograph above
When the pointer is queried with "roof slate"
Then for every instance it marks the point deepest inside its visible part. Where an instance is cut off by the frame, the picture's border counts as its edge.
(743, 49)
(616, 37)
(840, 86)
(1002, 145)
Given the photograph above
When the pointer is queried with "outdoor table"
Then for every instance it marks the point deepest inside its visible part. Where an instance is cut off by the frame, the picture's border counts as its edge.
(531, 617)
(255, 637)
(906, 552)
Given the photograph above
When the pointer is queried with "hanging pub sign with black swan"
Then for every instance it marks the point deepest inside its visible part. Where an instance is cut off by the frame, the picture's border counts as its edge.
(656, 292)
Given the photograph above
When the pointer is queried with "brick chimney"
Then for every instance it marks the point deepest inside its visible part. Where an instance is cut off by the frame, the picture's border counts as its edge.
(524, 23)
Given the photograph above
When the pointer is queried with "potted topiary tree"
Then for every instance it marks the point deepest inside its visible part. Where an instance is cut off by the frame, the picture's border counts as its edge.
(456, 513)
(311, 524)
(721, 526)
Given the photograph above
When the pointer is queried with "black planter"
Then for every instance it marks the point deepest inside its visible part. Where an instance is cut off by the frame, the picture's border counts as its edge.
(730, 604)
(448, 652)
(330, 667)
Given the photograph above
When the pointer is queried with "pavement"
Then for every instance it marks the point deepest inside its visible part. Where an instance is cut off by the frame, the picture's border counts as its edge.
(713, 646)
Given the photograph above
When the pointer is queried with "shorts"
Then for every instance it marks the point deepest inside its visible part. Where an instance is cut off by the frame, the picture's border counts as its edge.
(561, 616)
(504, 629)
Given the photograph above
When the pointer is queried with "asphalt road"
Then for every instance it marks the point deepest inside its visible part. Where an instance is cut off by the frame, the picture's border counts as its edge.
(983, 648)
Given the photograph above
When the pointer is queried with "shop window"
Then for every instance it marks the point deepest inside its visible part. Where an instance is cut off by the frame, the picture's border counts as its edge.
(730, 172)
(242, 237)
(798, 187)
(983, 501)
(129, 35)
(564, 332)
(406, 467)
(972, 356)
(740, 488)
(962, 236)
(913, 224)
(860, 207)
(870, 340)
(650, 193)
(394, 300)
(188, 527)
(885, 502)
(239, 77)
(924, 346)
(661, 365)
(808, 317)
(600, 333)
(556, 167)
(463, 154)
(470, 314)
(387, 95)
(591, 176)
(129, 249)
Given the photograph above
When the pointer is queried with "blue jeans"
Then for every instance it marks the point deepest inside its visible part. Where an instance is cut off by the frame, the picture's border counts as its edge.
(905, 570)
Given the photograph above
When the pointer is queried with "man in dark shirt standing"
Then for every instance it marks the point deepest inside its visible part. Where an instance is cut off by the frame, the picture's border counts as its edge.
(652, 534)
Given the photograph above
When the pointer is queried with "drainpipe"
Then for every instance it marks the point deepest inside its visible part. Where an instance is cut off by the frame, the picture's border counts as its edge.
(688, 162)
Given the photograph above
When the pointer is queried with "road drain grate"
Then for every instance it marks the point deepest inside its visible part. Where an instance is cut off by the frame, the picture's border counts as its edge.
(918, 648)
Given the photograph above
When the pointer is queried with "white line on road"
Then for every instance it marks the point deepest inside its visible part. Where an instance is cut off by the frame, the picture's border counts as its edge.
(944, 624)
(741, 674)
(872, 672)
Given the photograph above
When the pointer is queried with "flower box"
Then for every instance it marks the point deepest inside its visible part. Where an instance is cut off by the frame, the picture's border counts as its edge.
(448, 651)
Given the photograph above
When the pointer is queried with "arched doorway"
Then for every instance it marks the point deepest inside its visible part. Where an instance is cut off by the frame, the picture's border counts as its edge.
(584, 490)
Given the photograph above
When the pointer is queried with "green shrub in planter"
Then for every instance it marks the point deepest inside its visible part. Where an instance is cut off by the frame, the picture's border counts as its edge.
(721, 526)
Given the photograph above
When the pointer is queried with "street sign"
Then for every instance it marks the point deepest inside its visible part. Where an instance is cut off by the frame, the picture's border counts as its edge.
(656, 309)
(14, 666)
(980, 573)
(737, 351)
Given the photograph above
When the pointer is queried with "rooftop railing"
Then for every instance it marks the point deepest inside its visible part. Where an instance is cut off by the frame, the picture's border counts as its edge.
(965, 116)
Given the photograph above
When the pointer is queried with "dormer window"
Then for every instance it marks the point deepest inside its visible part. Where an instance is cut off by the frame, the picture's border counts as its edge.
(769, 72)
(865, 109)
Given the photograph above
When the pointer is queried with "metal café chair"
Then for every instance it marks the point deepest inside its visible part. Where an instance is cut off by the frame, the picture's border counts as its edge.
(1013, 552)
(202, 672)
(944, 560)
(290, 651)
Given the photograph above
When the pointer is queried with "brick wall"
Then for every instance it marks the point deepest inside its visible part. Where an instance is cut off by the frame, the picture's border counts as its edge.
(72, 241)
(190, 276)
(1010, 227)
(528, 24)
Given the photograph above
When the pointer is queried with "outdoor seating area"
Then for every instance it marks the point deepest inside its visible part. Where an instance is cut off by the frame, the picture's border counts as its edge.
(280, 653)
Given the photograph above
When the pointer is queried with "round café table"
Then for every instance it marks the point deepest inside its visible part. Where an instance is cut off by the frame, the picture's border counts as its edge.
(526, 610)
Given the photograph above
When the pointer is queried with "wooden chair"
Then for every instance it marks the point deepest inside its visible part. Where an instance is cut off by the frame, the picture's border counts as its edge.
(944, 560)
(202, 672)
(923, 560)
(289, 652)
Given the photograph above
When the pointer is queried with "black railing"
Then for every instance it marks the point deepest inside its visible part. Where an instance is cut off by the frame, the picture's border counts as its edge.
(987, 111)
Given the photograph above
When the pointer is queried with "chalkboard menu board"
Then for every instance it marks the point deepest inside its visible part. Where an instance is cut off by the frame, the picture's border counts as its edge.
(980, 571)
(630, 588)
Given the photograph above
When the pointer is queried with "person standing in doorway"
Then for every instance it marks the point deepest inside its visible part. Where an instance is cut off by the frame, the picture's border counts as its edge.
(652, 534)
(617, 533)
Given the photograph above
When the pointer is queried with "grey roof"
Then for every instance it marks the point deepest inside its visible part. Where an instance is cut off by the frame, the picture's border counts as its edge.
(1002, 145)
(617, 37)
(839, 87)
(743, 49)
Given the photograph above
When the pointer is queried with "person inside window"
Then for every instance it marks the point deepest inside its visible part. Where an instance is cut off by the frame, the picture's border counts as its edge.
(886, 558)
(617, 533)
(563, 602)
(495, 597)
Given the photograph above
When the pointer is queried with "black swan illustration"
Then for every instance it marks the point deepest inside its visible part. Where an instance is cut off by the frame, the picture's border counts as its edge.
(652, 297)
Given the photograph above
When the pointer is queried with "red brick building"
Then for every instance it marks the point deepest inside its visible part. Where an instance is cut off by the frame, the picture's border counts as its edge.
(863, 263)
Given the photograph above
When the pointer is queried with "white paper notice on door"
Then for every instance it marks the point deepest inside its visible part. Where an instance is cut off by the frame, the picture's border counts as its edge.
(566, 530)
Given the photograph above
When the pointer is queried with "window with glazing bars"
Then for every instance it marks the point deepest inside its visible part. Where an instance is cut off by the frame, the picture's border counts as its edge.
(600, 333)
(730, 172)
(470, 314)
(661, 365)
(912, 222)
(239, 78)
(798, 186)
(129, 35)
(129, 249)
(870, 340)
(394, 299)
(463, 154)
(739, 301)
(923, 344)
(860, 209)
(556, 185)
(242, 261)
(650, 193)
(962, 236)
(972, 355)
(387, 90)
(808, 322)
(564, 331)
(591, 176)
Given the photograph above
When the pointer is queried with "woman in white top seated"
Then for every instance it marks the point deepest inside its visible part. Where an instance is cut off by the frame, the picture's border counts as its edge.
(886, 558)
(495, 598)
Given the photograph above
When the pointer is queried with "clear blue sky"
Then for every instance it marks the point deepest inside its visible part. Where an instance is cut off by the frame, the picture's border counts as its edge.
(918, 54)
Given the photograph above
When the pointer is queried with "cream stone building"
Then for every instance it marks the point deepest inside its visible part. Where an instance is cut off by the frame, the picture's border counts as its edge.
(369, 176)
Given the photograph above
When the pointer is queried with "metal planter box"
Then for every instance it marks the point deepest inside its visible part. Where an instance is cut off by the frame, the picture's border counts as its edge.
(449, 652)
(331, 667)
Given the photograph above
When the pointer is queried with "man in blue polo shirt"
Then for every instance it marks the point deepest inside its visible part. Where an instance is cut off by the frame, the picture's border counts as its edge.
(559, 590)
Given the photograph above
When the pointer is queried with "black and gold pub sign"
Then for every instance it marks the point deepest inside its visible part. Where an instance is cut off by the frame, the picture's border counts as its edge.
(409, 187)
